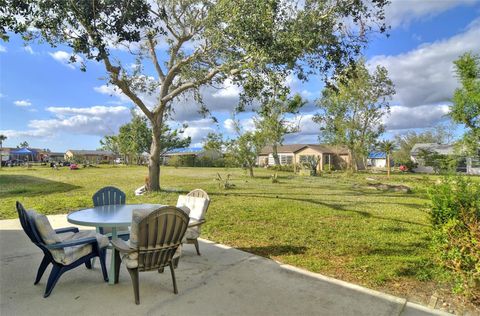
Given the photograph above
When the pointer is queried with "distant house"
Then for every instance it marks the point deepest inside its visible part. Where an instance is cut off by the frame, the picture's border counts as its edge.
(55, 156)
(377, 159)
(418, 149)
(90, 156)
(336, 156)
(192, 154)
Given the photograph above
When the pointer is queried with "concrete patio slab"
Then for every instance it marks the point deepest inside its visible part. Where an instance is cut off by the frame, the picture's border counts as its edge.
(223, 281)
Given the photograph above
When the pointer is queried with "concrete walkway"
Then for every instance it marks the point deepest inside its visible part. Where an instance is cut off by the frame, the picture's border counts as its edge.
(223, 281)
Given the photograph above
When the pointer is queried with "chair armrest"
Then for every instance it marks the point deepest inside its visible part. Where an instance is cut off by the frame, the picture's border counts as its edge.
(66, 229)
(122, 246)
(75, 242)
(196, 223)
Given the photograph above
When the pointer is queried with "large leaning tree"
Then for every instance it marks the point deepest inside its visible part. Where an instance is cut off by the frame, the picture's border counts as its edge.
(190, 44)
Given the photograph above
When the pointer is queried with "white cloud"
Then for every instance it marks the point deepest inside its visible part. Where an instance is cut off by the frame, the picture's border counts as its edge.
(22, 103)
(29, 49)
(95, 120)
(3, 49)
(403, 12)
(426, 75)
(423, 116)
(246, 125)
(64, 58)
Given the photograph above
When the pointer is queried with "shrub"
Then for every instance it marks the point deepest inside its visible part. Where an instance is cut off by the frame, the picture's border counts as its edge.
(455, 216)
(286, 168)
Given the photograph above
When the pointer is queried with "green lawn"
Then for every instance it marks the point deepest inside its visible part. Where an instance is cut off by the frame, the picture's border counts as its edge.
(332, 224)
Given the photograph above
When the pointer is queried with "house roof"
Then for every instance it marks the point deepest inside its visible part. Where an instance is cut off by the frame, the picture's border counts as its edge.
(293, 148)
(377, 155)
(91, 152)
(443, 149)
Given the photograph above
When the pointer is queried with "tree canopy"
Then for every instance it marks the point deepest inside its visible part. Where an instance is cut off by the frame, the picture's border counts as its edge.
(352, 108)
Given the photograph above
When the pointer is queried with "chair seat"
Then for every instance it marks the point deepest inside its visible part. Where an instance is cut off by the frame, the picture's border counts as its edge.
(69, 255)
(192, 233)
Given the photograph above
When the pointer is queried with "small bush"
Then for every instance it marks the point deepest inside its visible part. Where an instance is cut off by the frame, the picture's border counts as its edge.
(286, 168)
(455, 216)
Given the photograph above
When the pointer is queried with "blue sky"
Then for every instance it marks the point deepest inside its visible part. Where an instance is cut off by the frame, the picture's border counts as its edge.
(52, 104)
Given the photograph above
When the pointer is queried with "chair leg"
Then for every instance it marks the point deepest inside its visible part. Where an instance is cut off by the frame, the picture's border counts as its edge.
(118, 261)
(195, 242)
(57, 271)
(175, 262)
(172, 270)
(41, 269)
(88, 264)
(136, 290)
(102, 255)
(97, 230)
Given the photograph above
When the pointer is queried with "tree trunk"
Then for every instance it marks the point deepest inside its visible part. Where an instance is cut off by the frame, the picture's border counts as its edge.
(276, 159)
(250, 169)
(388, 166)
(154, 161)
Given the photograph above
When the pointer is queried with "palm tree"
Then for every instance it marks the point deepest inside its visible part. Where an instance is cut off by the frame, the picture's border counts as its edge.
(387, 147)
(2, 138)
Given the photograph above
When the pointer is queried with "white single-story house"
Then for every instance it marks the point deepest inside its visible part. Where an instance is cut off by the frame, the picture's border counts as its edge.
(335, 156)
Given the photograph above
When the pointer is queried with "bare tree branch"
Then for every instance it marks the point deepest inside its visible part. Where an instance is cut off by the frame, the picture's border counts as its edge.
(153, 54)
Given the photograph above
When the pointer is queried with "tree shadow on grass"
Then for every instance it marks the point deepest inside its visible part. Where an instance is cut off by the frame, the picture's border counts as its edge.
(29, 186)
(335, 206)
(275, 250)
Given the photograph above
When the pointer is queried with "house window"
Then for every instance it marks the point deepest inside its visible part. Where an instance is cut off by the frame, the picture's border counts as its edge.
(286, 159)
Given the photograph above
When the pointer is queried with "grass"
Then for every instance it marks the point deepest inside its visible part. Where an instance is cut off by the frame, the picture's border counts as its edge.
(333, 224)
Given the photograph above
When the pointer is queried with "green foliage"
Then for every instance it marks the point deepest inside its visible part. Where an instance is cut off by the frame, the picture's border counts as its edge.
(224, 182)
(310, 163)
(285, 168)
(405, 142)
(455, 215)
(23, 144)
(214, 142)
(175, 161)
(440, 163)
(272, 122)
(134, 138)
(352, 108)
(244, 150)
(466, 99)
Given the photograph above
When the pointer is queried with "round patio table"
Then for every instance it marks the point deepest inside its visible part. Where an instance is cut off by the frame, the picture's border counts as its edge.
(113, 216)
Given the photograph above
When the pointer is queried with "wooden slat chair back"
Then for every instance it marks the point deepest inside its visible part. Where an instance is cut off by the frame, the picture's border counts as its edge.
(194, 231)
(154, 239)
(159, 236)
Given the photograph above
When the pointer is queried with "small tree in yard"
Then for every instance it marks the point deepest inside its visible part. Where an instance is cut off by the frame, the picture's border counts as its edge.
(192, 44)
(245, 149)
(387, 147)
(272, 122)
(352, 109)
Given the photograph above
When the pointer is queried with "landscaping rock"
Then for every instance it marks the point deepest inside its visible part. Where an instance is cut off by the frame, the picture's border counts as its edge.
(389, 187)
